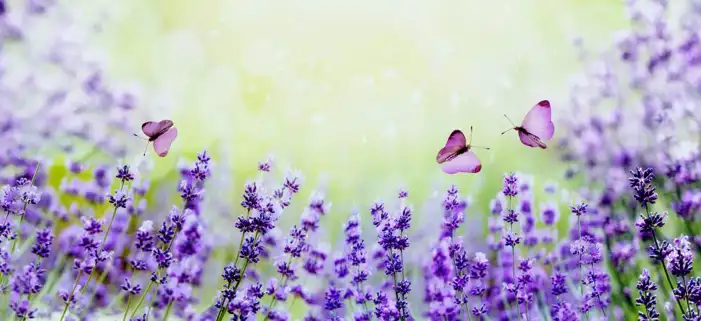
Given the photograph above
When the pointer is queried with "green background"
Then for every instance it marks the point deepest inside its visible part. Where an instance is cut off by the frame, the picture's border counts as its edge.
(356, 95)
(361, 94)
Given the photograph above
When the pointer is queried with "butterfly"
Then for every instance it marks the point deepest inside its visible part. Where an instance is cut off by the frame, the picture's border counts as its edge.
(456, 156)
(161, 133)
(537, 126)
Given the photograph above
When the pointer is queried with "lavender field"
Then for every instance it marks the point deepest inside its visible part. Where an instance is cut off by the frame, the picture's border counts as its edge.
(300, 184)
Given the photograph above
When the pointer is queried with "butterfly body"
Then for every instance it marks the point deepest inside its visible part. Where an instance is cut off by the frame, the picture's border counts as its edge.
(457, 153)
(153, 138)
(529, 139)
(456, 156)
(537, 126)
(161, 134)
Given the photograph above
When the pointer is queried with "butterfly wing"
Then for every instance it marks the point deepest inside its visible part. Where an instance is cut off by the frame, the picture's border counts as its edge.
(162, 144)
(456, 141)
(539, 122)
(152, 129)
(531, 140)
(466, 162)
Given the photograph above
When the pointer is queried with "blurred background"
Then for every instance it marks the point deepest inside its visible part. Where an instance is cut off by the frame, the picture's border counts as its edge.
(358, 96)
(349, 92)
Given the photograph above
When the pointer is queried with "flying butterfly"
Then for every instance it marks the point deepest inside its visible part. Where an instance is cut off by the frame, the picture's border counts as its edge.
(456, 156)
(536, 127)
(161, 134)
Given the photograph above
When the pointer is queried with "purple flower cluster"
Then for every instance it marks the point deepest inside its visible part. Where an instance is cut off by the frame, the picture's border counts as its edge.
(633, 141)
(141, 269)
(392, 238)
(90, 240)
(262, 211)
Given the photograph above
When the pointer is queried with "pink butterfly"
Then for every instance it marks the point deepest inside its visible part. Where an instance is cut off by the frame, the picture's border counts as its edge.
(537, 126)
(456, 156)
(161, 133)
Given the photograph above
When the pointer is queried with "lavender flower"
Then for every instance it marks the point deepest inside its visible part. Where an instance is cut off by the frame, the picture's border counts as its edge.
(333, 302)
(44, 240)
(393, 241)
(679, 261)
(124, 174)
(645, 194)
(148, 262)
(646, 290)
(641, 183)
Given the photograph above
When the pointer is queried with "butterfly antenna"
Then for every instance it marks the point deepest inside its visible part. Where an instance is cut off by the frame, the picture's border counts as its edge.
(470, 135)
(506, 131)
(481, 147)
(137, 136)
(507, 118)
(146, 148)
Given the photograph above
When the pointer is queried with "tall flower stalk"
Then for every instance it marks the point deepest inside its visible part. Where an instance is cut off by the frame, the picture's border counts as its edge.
(647, 298)
(394, 242)
(94, 250)
(357, 256)
(453, 217)
(511, 238)
(118, 200)
(262, 211)
(294, 248)
(646, 194)
(191, 190)
(28, 197)
(578, 249)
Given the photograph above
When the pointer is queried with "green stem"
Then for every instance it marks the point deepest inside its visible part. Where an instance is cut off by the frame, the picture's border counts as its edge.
(236, 262)
(170, 305)
(581, 275)
(359, 289)
(100, 279)
(271, 306)
(126, 311)
(24, 210)
(401, 256)
(150, 284)
(513, 270)
(669, 280)
(396, 294)
(598, 297)
(104, 239)
(23, 248)
(155, 293)
(70, 297)
(513, 260)
(461, 293)
(686, 295)
(121, 295)
(141, 299)
(158, 284)
(29, 299)
(243, 236)
(29, 296)
(222, 309)
(19, 228)
(273, 300)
